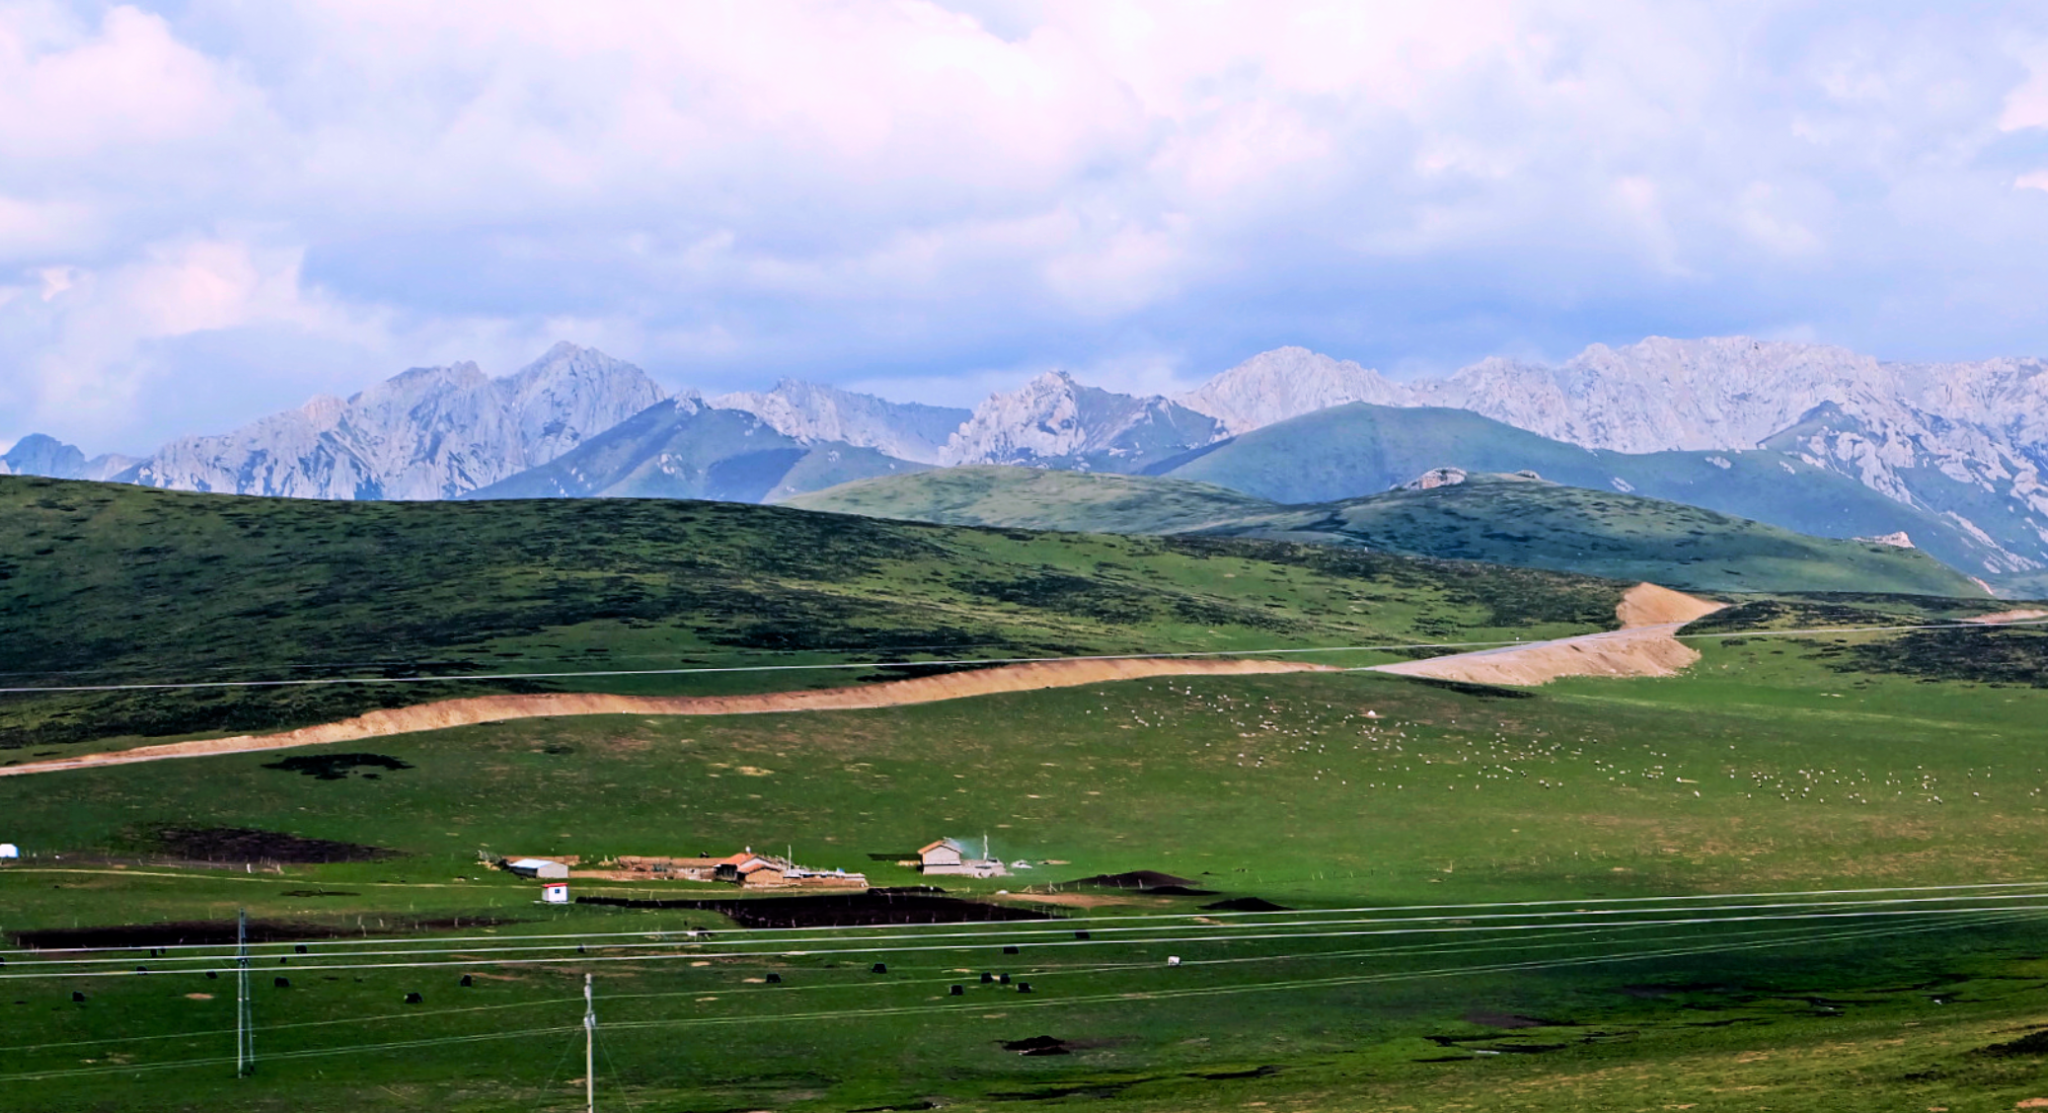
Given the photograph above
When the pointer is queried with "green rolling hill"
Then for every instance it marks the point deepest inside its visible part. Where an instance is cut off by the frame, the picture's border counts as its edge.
(1038, 498)
(1360, 449)
(110, 584)
(1502, 519)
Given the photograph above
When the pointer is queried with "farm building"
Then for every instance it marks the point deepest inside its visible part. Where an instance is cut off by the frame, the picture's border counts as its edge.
(555, 892)
(9, 850)
(949, 857)
(541, 868)
(756, 871)
(669, 869)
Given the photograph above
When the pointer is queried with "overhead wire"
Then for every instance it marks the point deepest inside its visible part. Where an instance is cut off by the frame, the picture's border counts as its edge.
(1441, 929)
(1042, 1002)
(979, 661)
(1007, 928)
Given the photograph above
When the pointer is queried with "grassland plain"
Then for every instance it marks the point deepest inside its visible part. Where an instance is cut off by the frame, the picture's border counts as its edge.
(103, 583)
(1504, 519)
(1779, 764)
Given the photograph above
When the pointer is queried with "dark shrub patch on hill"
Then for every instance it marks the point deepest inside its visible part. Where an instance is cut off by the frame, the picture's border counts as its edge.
(242, 844)
(336, 767)
(1991, 655)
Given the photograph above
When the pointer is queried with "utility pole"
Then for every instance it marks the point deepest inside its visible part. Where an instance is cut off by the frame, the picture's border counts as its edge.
(589, 1048)
(245, 1027)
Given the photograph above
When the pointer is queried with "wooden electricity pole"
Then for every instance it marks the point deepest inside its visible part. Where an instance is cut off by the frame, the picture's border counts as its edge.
(589, 1048)
(245, 1027)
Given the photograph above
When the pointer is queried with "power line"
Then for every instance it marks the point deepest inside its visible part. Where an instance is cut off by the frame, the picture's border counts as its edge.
(1119, 997)
(1441, 929)
(977, 661)
(1010, 929)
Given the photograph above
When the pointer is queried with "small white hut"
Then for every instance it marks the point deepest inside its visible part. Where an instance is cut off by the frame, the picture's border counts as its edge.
(9, 850)
(540, 868)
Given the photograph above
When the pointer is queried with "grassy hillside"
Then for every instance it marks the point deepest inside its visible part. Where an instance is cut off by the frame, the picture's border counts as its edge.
(1514, 520)
(1038, 498)
(1777, 765)
(110, 584)
(1383, 813)
(1501, 519)
(1360, 449)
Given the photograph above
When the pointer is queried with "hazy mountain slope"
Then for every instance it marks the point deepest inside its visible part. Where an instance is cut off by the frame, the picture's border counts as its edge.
(1537, 524)
(1500, 519)
(810, 412)
(682, 448)
(1036, 498)
(1359, 449)
(1056, 422)
(430, 433)
(1287, 382)
(1982, 428)
(1362, 449)
(44, 455)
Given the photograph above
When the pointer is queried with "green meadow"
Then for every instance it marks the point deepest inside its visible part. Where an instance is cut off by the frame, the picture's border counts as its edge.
(1777, 765)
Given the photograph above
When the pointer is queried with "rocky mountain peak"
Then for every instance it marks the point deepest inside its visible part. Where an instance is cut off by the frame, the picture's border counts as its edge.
(1287, 382)
(814, 414)
(42, 454)
(427, 433)
(1053, 421)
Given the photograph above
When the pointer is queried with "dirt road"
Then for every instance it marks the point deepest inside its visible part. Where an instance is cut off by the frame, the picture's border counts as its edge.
(493, 709)
(1644, 646)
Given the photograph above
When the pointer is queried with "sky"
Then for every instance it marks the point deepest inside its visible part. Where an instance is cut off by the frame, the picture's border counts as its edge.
(213, 210)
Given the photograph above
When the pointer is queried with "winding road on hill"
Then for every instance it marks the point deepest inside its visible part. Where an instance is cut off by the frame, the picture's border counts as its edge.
(1645, 645)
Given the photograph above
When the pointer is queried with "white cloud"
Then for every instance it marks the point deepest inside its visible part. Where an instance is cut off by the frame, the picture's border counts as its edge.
(888, 192)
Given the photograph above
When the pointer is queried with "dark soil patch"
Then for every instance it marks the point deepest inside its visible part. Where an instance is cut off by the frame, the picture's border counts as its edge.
(336, 767)
(1266, 1071)
(875, 906)
(183, 933)
(2033, 1043)
(244, 844)
(1037, 1045)
(1246, 904)
(1512, 1021)
(1467, 688)
(1459, 1042)
(214, 933)
(1136, 879)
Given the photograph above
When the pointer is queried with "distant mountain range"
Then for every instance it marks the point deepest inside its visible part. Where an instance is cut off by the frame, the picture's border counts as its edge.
(1809, 437)
(1445, 512)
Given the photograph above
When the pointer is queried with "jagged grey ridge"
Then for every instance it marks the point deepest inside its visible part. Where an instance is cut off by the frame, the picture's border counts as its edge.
(1287, 382)
(430, 433)
(1965, 441)
(1054, 421)
(813, 414)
